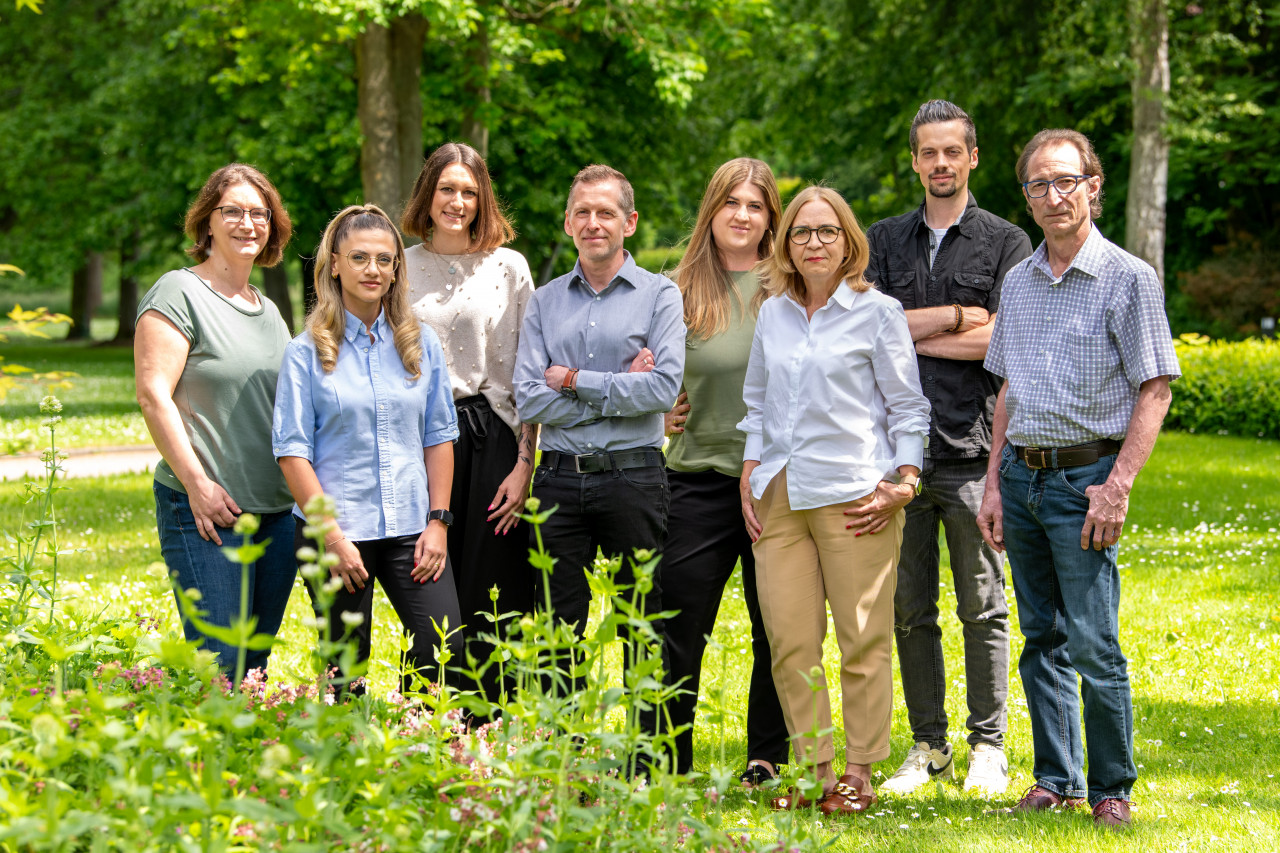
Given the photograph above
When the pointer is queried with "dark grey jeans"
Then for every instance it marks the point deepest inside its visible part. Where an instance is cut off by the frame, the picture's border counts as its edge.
(952, 495)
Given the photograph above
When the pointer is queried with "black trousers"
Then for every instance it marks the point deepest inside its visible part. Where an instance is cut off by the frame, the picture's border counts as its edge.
(616, 511)
(483, 456)
(706, 538)
(390, 563)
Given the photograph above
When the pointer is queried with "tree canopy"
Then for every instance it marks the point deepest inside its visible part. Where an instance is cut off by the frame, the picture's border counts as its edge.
(113, 114)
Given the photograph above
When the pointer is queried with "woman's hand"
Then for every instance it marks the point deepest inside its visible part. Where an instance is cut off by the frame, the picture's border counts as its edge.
(673, 421)
(509, 500)
(428, 553)
(754, 527)
(212, 508)
(350, 568)
(874, 515)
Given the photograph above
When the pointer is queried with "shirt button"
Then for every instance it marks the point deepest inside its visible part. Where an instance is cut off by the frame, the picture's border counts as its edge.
(929, 376)
(589, 444)
(448, 287)
(591, 355)
(597, 300)
(933, 278)
(593, 322)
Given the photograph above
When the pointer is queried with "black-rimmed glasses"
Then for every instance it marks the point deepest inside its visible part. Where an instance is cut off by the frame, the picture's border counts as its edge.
(1065, 185)
(361, 261)
(826, 234)
(257, 215)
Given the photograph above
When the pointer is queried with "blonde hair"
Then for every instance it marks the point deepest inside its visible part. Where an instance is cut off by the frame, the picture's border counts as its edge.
(704, 283)
(327, 320)
(780, 276)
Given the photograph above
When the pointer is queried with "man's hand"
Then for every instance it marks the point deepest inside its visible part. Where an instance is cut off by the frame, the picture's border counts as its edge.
(555, 376)
(643, 362)
(991, 514)
(1103, 523)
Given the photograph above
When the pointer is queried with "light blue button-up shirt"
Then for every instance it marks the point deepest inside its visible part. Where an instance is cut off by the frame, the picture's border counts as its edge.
(363, 427)
(569, 324)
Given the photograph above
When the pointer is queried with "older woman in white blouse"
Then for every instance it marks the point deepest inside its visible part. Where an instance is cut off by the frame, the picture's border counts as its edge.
(836, 427)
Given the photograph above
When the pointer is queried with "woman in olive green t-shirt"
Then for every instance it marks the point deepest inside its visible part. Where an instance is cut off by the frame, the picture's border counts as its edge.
(705, 534)
(207, 350)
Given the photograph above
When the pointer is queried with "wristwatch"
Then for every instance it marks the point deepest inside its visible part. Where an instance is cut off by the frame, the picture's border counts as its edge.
(912, 481)
(440, 515)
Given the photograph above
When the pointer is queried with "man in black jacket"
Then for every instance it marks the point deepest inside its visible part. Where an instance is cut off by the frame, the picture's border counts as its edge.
(945, 261)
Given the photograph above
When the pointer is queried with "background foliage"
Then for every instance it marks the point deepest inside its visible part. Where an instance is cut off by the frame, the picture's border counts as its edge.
(113, 114)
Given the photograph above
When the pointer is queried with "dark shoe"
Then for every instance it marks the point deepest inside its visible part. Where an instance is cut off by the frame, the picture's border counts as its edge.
(791, 801)
(756, 775)
(1113, 813)
(848, 797)
(1038, 799)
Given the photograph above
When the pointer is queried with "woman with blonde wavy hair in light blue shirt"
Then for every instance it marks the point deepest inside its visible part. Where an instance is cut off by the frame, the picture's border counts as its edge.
(836, 426)
(364, 414)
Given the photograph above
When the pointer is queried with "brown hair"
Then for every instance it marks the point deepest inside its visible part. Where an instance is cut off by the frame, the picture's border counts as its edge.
(703, 281)
(197, 225)
(489, 230)
(327, 319)
(1088, 160)
(780, 275)
(597, 173)
(936, 111)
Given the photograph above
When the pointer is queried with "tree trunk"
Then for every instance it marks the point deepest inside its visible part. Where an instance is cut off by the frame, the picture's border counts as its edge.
(86, 296)
(127, 311)
(549, 265)
(388, 68)
(275, 281)
(1149, 168)
(475, 121)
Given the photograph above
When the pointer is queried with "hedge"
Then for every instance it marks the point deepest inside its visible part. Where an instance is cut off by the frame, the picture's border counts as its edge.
(1227, 387)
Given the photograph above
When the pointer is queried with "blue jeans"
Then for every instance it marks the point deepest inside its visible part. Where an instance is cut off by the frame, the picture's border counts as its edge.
(952, 495)
(1069, 610)
(198, 563)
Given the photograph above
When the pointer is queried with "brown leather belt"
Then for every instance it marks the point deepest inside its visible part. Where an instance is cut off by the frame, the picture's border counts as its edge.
(591, 463)
(1067, 457)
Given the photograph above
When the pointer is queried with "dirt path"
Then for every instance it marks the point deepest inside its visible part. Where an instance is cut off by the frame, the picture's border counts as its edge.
(85, 462)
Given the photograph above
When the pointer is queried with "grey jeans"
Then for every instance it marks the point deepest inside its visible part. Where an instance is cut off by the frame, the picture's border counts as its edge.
(952, 495)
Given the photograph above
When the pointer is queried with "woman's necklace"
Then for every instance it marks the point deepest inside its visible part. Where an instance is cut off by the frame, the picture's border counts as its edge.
(438, 260)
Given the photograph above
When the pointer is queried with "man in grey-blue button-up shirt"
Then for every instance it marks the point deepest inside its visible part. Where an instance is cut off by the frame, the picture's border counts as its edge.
(601, 359)
(1083, 344)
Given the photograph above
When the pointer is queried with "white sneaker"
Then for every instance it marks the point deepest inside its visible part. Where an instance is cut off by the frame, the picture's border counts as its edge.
(988, 770)
(923, 763)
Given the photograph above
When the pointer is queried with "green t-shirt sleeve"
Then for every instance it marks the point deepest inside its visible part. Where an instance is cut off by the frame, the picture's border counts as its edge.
(168, 297)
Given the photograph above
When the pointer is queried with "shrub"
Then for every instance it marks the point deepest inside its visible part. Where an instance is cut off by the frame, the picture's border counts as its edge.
(1227, 388)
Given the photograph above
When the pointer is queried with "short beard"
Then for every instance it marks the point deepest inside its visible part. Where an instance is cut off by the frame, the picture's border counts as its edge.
(938, 192)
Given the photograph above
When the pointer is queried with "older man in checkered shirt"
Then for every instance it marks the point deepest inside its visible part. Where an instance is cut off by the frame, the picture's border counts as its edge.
(1083, 345)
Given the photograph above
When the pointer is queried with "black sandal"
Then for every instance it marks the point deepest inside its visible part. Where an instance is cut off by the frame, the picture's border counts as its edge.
(756, 775)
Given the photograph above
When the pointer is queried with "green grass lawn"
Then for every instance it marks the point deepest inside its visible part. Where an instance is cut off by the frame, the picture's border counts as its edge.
(101, 408)
(1201, 612)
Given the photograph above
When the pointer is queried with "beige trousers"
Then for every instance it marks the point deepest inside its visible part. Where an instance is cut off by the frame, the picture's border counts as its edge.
(806, 559)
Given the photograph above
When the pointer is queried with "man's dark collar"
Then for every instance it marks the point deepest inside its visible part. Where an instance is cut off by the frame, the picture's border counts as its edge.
(966, 220)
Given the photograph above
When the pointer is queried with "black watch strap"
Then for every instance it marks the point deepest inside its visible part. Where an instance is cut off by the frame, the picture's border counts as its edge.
(441, 515)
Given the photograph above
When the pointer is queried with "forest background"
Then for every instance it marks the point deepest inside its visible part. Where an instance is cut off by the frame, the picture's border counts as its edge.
(113, 114)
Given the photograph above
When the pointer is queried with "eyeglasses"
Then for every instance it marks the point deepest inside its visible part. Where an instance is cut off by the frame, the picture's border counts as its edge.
(1065, 185)
(361, 261)
(826, 234)
(257, 215)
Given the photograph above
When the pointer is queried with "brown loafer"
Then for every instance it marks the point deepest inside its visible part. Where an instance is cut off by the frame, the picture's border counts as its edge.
(792, 800)
(848, 797)
(1038, 799)
(1113, 813)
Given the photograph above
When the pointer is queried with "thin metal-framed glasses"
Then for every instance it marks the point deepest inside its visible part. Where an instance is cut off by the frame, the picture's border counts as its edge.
(257, 215)
(1065, 185)
(826, 234)
(362, 260)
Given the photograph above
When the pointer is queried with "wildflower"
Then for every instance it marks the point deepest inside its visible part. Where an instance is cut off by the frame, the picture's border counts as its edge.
(50, 405)
(532, 504)
(246, 524)
(352, 620)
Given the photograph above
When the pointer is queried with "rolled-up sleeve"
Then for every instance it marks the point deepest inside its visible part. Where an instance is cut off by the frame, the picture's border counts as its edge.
(536, 402)
(294, 418)
(441, 416)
